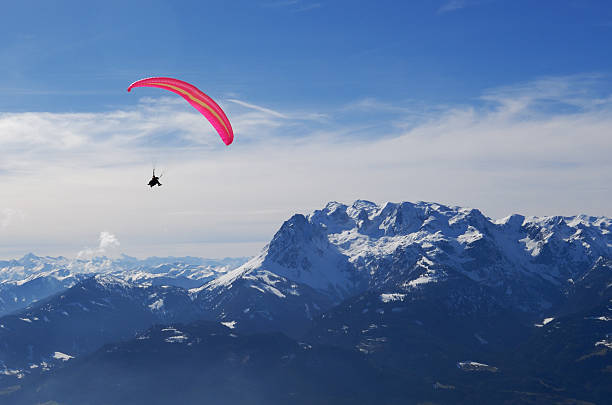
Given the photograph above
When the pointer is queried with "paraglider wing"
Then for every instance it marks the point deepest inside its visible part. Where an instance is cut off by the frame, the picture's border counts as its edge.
(197, 99)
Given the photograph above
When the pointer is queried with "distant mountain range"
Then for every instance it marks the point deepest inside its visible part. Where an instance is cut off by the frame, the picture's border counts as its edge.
(31, 278)
(415, 302)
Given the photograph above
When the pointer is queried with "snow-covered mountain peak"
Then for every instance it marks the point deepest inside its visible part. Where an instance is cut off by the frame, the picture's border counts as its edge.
(108, 282)
(226, 280)
(512, 222)
(28, 258)
(342, 249)
(363, 205)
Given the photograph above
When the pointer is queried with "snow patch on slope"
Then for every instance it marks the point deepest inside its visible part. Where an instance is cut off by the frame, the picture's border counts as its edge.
(62, 356)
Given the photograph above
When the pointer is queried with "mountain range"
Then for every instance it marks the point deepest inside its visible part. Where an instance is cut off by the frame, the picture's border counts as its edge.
(31, 278)
(414, 302)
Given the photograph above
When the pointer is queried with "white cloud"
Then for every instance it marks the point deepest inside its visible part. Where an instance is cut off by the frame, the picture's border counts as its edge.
(9, 216)
(108, 245)
(536, 148)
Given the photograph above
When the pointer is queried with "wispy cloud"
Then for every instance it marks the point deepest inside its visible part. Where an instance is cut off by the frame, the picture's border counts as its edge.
(258, 108)
(281, 3)
(541, 147)
(308, 7)
(372, 104)
(552, 93)
(452, 6)
(293, 115)
(295, 6)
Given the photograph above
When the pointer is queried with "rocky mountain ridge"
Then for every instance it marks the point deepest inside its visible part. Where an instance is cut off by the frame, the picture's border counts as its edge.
(341, 251)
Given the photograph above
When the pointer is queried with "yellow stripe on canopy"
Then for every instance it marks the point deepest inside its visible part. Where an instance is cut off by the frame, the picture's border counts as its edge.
(197, 100)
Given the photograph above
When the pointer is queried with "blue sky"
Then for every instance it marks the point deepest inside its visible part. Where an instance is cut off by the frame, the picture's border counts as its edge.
(501, 105)
(77, 56)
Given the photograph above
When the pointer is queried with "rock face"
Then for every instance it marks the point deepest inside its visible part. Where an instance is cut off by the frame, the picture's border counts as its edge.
(314, 262)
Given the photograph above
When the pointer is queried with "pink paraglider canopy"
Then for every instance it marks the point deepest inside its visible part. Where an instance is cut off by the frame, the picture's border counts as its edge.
(197, 99)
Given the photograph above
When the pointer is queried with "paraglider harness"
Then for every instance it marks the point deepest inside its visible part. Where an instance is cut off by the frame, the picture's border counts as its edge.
(155, 180)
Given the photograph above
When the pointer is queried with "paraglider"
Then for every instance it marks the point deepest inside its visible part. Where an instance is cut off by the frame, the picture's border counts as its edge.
(200, 101)
(155, 180)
